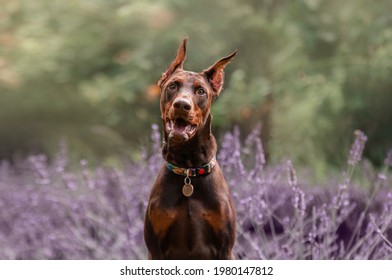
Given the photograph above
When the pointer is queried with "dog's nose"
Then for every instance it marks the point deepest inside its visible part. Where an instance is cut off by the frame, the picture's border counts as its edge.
(182, 104)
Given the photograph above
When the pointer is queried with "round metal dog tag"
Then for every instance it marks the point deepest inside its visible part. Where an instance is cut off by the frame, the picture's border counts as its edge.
(187, 190)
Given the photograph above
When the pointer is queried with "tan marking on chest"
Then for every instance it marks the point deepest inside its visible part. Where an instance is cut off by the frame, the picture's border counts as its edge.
(161, 220)
(215, 219)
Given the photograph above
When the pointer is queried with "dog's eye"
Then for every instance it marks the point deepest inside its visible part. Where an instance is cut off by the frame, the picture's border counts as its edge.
(201, 91)
(172, 87)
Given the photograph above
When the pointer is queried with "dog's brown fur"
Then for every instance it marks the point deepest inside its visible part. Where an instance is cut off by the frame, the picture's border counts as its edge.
(201, 226)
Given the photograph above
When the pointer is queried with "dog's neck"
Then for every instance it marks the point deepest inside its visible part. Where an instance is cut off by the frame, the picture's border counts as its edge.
(197, 151)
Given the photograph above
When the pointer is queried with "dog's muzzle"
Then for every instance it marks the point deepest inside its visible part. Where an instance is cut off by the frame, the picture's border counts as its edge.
(179, 125)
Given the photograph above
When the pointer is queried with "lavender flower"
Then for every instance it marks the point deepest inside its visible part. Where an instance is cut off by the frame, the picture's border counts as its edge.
(357, 148)
(342, 196)
(61, 210)
(292, 178)
(254, 140)
(299, 202)
(155, 138)
(388, 159)
(299, 195)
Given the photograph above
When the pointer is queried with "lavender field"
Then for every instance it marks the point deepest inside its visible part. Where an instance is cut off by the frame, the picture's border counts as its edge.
(50, 209)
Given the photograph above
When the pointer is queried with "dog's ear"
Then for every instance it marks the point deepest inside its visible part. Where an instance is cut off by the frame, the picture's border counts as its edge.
(178, 62)
(215, 73)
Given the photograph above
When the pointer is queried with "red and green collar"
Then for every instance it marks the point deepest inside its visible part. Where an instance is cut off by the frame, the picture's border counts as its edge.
(192, 172)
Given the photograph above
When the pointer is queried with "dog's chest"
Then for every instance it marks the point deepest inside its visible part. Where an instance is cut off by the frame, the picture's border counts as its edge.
(189, 230)
(187, 214)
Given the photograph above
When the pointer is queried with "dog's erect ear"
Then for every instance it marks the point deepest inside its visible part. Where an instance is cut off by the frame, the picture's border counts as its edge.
(215, 73)
(178, 62)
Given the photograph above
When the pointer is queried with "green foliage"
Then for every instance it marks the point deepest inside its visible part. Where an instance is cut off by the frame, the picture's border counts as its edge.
(312, 71)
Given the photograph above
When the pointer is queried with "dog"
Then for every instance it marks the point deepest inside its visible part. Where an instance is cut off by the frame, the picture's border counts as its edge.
(190, 214)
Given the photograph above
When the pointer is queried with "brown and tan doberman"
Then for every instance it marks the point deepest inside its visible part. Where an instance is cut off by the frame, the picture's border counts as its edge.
(190, 214)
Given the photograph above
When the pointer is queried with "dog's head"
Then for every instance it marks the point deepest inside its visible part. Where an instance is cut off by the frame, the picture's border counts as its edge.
(186, 96)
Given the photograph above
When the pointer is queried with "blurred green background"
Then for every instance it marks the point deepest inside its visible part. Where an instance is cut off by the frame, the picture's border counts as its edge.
(312, 71)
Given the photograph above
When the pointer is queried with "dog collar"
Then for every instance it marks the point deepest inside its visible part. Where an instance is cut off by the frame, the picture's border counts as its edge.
(192, 172)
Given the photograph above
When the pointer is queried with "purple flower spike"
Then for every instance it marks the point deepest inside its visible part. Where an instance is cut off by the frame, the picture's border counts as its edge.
(357, 147)
(388, 159)
(292, 178)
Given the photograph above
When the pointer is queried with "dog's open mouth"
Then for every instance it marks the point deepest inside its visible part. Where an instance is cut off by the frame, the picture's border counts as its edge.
(180, 130)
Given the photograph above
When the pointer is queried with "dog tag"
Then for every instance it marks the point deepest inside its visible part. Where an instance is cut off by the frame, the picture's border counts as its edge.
(187, 190)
